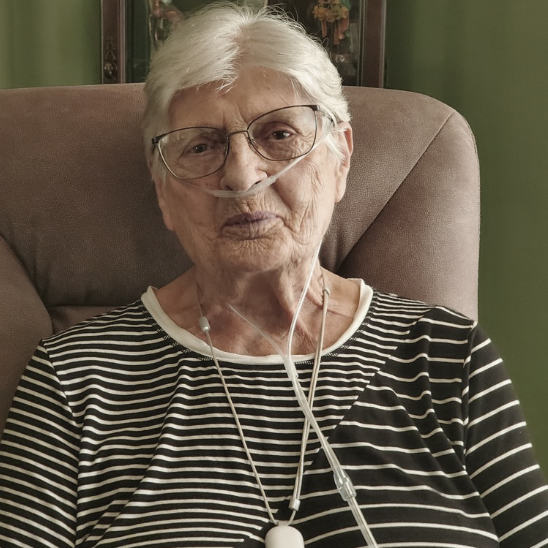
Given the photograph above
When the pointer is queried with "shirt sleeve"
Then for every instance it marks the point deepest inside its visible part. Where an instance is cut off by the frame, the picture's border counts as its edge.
(39, 463)
(498, 454)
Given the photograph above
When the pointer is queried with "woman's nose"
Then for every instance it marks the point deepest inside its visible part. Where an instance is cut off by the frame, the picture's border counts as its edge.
(243, 166)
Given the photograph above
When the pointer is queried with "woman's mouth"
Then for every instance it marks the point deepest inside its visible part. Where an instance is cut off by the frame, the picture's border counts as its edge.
(249, 218)
(250, 224)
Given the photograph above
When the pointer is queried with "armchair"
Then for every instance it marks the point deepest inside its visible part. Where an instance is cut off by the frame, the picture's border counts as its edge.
(80, 231)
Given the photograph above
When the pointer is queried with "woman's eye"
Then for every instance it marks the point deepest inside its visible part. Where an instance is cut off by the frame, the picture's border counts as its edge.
(207, 146)
(198, 149)
(280, 135)
(275, 132)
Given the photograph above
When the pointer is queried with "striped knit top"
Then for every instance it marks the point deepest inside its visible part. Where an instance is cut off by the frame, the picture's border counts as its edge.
(120, 436)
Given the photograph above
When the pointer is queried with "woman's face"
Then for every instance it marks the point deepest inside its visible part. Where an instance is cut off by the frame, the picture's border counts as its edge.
(276, 228)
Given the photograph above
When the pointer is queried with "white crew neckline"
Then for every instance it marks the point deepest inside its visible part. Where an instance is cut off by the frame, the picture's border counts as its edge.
(188, 340)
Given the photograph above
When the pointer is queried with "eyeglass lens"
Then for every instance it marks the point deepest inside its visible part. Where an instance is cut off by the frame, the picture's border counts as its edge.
(282, 134)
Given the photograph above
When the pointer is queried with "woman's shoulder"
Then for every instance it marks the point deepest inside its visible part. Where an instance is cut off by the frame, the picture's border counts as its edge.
(436, 334)
(413, 323)
(392, 307)
(122, 323)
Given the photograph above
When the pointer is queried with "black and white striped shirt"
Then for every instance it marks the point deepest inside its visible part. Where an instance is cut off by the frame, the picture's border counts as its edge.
(120, 436)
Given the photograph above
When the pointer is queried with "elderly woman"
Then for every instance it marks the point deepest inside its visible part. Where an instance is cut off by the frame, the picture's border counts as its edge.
(258, 398)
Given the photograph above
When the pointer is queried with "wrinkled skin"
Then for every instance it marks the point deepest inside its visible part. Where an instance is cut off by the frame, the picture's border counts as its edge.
(255, 253)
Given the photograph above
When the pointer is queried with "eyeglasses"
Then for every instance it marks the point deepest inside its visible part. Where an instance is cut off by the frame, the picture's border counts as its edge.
(282, 134)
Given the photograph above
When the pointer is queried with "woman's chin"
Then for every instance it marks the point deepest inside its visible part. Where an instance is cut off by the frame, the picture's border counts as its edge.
(253, 255)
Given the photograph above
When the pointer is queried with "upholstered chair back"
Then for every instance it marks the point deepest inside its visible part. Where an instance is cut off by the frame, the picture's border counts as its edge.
(81, 233)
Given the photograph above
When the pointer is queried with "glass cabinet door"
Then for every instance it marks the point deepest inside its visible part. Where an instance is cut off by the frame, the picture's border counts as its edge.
(352, 31)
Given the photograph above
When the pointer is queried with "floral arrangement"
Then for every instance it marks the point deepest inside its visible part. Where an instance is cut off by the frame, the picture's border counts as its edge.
(334, 19)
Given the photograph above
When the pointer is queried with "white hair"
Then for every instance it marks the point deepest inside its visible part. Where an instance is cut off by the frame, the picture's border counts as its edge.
(212, 45)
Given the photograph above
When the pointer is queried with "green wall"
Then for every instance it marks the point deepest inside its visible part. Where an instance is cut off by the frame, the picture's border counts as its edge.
(49, 42)
(486, 58)
(489, 60)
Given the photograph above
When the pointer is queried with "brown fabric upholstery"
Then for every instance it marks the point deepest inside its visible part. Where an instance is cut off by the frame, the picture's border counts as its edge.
(80, 231)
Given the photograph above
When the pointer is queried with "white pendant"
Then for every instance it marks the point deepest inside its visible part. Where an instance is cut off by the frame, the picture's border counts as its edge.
(284, 536)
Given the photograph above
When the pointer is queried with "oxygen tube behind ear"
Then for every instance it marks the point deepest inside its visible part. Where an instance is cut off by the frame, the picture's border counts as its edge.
(342, 480)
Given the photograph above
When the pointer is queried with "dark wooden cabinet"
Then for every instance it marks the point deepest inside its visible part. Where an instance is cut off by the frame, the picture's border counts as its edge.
(352, 33)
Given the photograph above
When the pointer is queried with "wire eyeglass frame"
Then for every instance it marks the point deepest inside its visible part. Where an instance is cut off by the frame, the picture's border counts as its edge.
(159, 142)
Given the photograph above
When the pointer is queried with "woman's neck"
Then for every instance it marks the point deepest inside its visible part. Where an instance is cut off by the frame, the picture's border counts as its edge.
(268, 301)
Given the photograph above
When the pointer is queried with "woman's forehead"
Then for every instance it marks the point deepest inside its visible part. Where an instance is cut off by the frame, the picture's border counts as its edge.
(253, 93)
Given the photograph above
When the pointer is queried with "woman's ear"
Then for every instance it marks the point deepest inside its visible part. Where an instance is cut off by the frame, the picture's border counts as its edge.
(346, 146)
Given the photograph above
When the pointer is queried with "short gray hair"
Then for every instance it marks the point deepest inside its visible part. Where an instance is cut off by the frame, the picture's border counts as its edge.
(212, 44)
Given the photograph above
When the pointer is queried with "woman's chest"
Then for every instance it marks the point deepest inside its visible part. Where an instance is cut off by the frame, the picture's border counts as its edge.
(176, 469)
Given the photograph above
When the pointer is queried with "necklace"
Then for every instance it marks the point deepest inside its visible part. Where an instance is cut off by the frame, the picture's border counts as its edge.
(282, 535)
